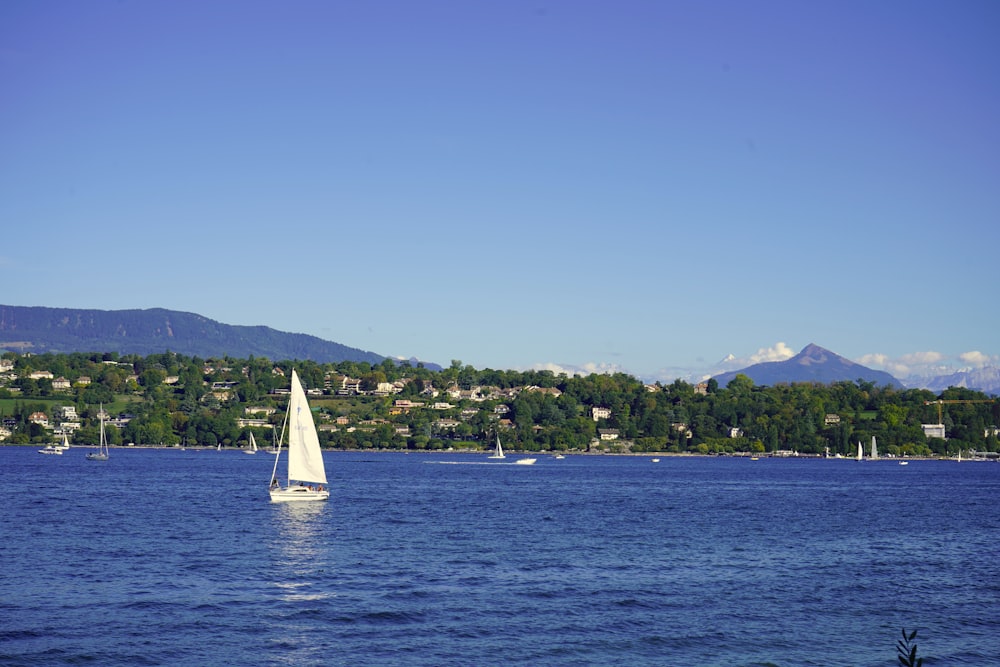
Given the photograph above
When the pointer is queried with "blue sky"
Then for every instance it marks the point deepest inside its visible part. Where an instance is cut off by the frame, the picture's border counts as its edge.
(643, 186)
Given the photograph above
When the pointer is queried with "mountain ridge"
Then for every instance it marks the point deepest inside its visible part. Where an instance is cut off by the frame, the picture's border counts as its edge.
(41, 329)
(986, 380)
(812, 364)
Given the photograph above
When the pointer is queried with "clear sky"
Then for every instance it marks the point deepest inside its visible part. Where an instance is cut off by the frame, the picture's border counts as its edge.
(646, 186)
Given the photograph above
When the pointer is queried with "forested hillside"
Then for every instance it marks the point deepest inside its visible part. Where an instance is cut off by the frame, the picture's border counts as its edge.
(173, 399)
(155, 330)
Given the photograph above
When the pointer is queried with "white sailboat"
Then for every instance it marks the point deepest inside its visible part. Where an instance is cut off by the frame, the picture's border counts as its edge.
(306, 474)
(102, 452)
(56, 449)
(274, 441)
(861, 454)
(874, 450)
(498, 450)
(252, 447)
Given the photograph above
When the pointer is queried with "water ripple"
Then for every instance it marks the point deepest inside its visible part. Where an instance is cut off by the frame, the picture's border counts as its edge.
(602, 561)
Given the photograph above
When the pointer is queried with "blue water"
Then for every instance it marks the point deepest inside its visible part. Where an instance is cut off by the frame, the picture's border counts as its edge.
(166, 557)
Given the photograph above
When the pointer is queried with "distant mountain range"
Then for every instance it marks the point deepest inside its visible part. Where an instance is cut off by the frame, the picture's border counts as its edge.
(153, 331)
(815, 364)
(157, 330)
(986, 380)
(812, 364)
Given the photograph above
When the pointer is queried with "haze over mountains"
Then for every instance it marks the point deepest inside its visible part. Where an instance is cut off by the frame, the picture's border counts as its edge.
(62, 330)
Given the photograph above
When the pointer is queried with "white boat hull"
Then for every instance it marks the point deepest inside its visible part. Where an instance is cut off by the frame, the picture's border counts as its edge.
(525, 462)
(298, 493)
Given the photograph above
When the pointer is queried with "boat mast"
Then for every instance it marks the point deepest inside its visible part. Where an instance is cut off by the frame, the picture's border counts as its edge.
(277, 453)
(102, 447)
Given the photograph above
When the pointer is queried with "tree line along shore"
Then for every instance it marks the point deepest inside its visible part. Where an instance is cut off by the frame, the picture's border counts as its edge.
(170, 400)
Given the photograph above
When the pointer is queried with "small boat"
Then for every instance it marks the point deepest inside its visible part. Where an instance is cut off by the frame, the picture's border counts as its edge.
(306, 473)
(252, 447)
(874, 450)
(274, 441)
(102, 452)
(860, 452)
(904, 463)
(656, 460)
(558, 456)
(497, 451)
(56, 449)
(524, 462)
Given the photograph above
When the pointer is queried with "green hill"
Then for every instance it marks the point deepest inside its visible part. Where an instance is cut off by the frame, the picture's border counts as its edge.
(156, 330)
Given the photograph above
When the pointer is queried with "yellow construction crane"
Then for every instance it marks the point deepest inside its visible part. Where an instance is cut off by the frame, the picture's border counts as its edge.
(940, 402)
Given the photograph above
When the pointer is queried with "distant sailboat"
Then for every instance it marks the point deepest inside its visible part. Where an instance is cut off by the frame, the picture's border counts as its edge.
(252, 447)
(861, 454)
(874, 450)
(274, 441)
(102, 452)
(498, 450)
(305, 458)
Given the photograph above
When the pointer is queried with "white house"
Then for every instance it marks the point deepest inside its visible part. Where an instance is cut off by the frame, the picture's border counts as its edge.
(933, 430)
(67, 412)
(600, 413)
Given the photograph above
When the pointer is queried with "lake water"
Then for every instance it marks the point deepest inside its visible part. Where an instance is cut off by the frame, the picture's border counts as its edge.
(168, 557)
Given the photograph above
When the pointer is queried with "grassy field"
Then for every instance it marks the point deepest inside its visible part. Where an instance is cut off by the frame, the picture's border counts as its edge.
(8, 405)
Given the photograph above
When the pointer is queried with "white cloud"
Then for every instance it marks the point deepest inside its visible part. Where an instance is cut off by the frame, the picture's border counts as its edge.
(899, 368)
(584, 369)
(779, 352)
(976, 358)
(922, 358)
(875, 360)
(925, 364)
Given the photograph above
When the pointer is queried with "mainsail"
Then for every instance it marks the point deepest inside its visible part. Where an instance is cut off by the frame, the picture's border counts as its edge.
(305, 458)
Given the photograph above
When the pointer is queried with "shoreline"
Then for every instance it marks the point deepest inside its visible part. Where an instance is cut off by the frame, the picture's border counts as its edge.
(549, 453)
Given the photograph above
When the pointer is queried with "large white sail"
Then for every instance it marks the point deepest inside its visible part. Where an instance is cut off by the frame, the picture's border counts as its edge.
(874, 450)
(305, 458)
